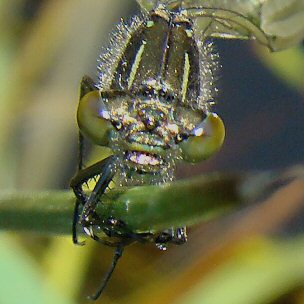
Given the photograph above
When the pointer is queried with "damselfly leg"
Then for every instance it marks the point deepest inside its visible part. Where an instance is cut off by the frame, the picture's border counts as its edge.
(103, 174)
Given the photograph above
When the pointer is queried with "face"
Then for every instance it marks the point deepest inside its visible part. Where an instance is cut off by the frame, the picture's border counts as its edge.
(148, 129)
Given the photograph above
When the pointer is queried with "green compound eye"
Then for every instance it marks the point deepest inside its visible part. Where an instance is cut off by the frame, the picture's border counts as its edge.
(90, 121)
(207, 138)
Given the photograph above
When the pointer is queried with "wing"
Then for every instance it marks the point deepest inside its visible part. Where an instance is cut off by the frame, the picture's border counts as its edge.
(277, 24)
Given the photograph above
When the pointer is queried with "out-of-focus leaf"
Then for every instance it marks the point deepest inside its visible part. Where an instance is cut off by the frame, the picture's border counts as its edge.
(259, 272)
(277, 24)
(70, 281)
(21, 280)
(287, 65)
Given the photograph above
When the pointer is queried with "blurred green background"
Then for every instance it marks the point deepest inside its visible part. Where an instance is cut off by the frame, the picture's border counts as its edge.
(253, 256)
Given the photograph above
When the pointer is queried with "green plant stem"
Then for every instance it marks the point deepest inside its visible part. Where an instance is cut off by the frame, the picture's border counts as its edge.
(141, 208)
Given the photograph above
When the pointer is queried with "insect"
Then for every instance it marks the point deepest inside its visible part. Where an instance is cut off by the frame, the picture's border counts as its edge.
(152, 107)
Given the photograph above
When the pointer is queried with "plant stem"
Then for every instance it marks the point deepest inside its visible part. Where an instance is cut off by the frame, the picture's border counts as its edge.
(141, 208)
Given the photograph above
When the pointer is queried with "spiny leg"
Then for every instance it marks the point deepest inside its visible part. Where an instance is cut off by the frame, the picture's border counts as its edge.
(117, 255)
(105, 177)
(76, 215)
(103, 171)
(78, 202)
(87, 85)
(80, 151)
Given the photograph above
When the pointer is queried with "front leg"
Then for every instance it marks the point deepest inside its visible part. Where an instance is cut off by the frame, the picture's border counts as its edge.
(104, 174)
(76, 215)
(101, 185)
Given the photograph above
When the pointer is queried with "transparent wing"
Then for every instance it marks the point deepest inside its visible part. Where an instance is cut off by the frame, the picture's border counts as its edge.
(283, 21)
(148, 5)
(221, 22)
(276, 24)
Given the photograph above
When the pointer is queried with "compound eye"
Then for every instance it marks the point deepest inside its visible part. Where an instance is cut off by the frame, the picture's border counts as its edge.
(92, 118)
(206, 139)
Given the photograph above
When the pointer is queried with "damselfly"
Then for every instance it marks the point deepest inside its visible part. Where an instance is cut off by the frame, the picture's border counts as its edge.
(152, 107)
